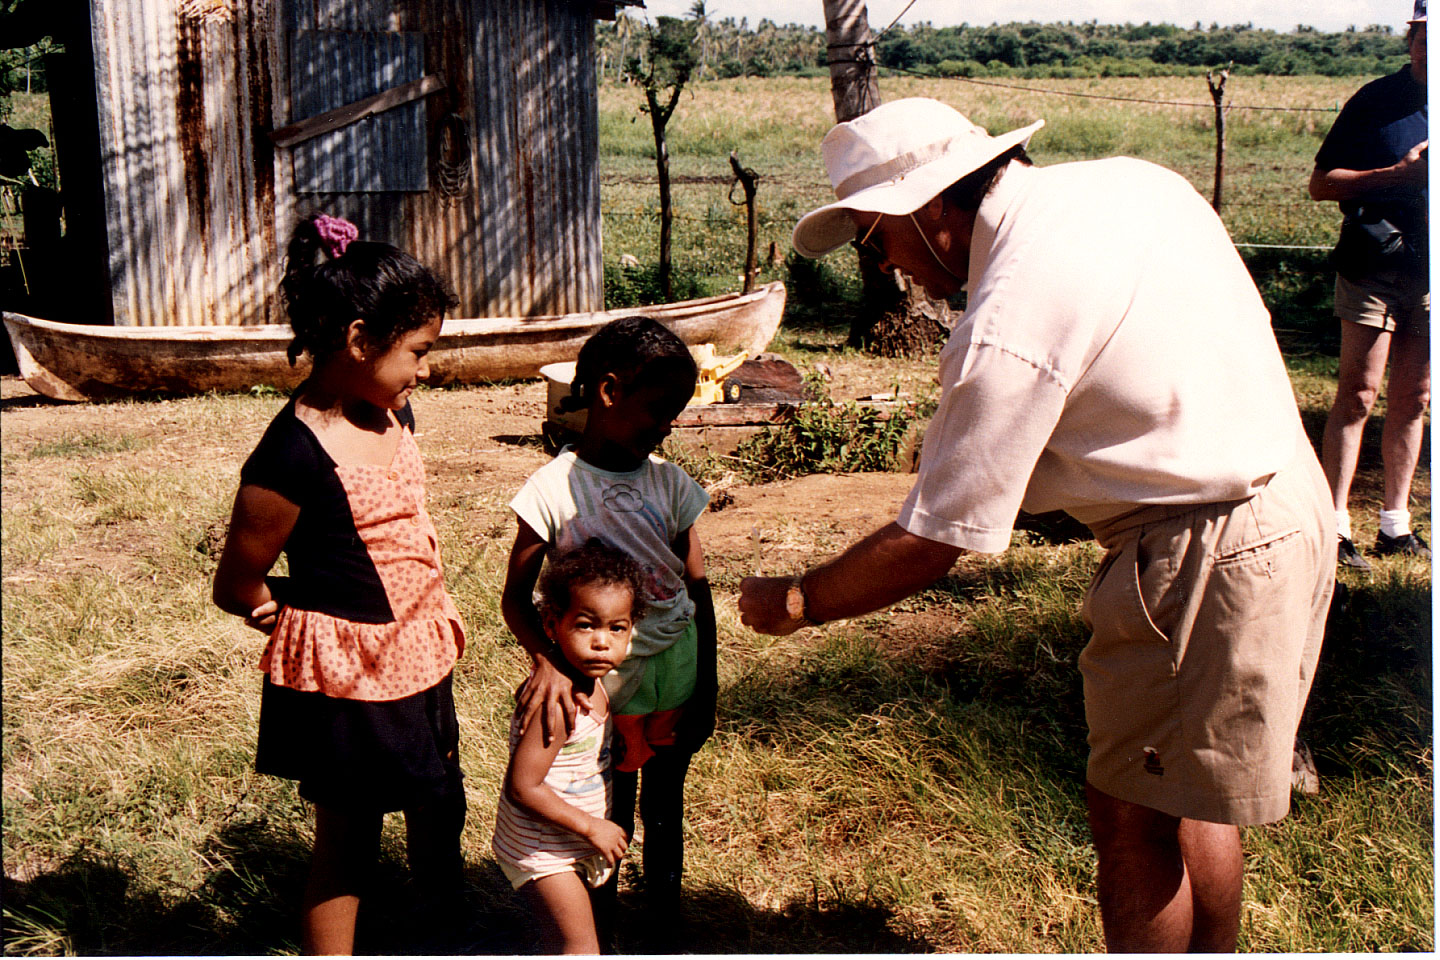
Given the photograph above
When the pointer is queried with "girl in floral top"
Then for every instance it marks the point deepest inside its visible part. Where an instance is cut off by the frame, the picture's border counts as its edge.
(356, 701)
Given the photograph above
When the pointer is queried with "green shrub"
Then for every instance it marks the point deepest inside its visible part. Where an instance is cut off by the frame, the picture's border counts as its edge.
(826, 437)
(640, 285)
(812, 281)
(961, 68)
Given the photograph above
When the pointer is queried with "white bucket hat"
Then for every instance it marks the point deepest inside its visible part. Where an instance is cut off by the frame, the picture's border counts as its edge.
(893, 160)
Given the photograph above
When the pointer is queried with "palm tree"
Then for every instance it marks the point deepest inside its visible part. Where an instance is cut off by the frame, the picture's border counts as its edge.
(624, 28)
(703, 32)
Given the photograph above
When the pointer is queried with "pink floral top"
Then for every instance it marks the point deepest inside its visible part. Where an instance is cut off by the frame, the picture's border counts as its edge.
(382, 565)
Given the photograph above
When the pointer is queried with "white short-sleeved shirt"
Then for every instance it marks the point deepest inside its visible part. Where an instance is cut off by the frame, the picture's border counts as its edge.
(1114, 353)
(642, 512)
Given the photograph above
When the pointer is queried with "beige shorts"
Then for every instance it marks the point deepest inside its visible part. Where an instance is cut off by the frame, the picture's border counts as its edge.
(1387, 301)
(594, 870)
(1207, 623)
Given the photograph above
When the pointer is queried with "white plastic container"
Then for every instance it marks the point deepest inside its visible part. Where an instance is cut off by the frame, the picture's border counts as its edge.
(557, 385)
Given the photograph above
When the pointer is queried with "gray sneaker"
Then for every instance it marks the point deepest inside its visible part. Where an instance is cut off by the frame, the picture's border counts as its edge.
(1407, 543)
(1350, 557)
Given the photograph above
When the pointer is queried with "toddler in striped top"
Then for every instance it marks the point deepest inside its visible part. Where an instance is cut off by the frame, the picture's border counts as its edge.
(552, 836)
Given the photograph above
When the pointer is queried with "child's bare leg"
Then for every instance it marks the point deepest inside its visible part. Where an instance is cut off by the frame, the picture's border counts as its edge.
(562, 902)
(346, 845)
(602, 908)
(437, 870)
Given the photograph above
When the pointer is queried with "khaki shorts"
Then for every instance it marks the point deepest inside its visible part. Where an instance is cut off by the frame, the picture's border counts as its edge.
(1207, 623)
(1387, 301)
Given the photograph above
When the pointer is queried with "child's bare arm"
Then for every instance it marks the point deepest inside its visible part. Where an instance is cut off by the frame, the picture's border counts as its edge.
(698, 721)
(259, 526)
(525, 784)
(549, 693)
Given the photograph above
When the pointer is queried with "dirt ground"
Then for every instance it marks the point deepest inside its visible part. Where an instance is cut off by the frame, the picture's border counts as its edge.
(490, 433)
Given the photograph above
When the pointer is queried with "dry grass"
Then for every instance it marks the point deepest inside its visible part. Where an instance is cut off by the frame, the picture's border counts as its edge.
(904, 782)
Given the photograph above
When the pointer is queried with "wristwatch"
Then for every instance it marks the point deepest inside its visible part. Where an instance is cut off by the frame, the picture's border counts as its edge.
(795, 602)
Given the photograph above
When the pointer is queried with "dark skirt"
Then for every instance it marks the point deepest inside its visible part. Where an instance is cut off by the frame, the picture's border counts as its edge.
(363, 755)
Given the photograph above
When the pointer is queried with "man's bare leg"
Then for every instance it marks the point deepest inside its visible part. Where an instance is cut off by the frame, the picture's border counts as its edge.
(1216, 868)
(1166, 885)
(1406, 398)
(1363, 351)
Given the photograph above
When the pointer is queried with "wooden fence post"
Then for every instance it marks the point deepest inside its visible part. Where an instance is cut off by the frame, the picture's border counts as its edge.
(746, 178)
(1217, 93)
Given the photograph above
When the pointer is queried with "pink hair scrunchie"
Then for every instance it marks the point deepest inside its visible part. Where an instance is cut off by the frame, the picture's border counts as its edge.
(335, 233)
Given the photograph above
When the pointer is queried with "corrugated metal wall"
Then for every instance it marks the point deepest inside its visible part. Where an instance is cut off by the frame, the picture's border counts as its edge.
(198, 205)
(384, 152)
(538, 177)
(189, 194)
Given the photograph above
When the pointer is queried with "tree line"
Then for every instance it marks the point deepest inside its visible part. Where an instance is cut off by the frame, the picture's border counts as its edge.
(726, 47)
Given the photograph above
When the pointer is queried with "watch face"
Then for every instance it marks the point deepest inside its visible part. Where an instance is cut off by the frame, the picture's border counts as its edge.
(795, 602)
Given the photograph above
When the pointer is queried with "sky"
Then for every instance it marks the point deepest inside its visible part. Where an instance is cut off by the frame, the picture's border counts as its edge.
(1282, 15)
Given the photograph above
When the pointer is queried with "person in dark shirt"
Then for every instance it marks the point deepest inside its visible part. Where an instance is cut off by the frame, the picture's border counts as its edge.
(1374, 163)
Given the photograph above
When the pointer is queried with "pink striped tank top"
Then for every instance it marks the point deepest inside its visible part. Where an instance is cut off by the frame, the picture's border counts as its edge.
(580, 774)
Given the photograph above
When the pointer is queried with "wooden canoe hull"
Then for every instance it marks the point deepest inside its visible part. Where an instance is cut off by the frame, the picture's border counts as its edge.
(72, 361)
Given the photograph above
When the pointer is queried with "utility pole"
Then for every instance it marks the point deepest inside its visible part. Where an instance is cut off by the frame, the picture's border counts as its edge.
(897, 318)
(853, 86)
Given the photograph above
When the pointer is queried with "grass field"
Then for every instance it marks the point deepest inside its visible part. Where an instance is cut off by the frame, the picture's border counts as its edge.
(777, 124)
(904, 782)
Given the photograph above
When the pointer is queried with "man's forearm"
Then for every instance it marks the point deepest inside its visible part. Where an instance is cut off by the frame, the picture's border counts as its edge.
(887, 566)
(884, 568)
(1342, 184)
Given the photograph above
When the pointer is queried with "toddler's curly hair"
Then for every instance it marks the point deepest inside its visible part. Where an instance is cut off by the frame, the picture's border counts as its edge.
(592, 562)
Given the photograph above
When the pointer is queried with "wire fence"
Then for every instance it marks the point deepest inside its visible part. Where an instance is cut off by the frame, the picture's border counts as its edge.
(1103, 96)
(798, 181)
(790, 222)
(866, 58)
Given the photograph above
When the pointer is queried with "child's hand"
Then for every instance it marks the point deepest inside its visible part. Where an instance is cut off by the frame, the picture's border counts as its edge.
(551, 695)
(609, 839)
(263, 617)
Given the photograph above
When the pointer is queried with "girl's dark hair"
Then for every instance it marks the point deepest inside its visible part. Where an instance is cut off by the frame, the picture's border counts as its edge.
(375, 282)
(593, 562)
(967, 192)
(634, 349)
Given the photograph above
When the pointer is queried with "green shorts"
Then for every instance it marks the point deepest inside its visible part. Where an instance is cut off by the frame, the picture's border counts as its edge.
(669, 677)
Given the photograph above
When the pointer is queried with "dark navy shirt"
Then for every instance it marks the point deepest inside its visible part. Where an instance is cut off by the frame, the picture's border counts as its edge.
(1376, 128)
(331, 570)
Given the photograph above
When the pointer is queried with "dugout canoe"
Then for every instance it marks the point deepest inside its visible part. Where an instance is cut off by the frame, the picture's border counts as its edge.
(73, 361)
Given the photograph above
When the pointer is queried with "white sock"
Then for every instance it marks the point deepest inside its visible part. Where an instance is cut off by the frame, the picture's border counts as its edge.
(1394, 523)
(1342, 523)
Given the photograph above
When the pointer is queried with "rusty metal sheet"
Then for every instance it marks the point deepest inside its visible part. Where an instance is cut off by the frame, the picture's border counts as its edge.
(180, 88)
(199, 204)
(384, 152)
